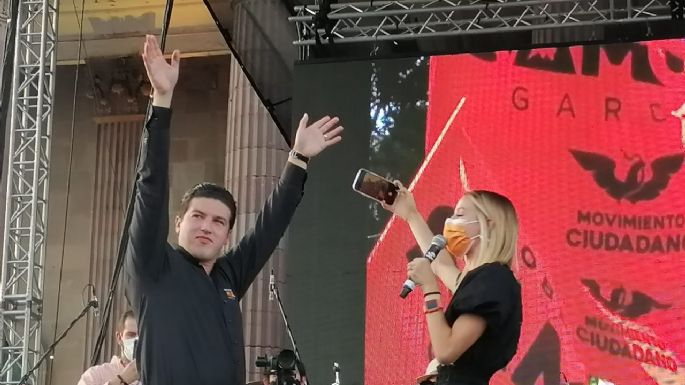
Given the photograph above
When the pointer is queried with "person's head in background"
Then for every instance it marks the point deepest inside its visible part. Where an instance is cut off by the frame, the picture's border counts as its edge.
(126, 335)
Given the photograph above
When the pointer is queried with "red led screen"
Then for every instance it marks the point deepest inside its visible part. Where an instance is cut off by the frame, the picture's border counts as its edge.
(582, 141)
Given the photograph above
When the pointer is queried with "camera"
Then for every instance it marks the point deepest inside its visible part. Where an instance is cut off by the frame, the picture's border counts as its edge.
(283, 367)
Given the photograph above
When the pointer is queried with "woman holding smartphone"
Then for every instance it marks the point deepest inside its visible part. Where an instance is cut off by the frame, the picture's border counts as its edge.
(477, 332)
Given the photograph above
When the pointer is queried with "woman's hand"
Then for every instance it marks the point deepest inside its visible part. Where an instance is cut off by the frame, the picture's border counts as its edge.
(404, 205)
(419, 270)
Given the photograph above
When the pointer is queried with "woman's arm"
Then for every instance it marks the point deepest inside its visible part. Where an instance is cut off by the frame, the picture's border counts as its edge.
(405, 208)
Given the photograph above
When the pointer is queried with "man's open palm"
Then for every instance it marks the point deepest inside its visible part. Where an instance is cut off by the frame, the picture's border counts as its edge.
(162, 75)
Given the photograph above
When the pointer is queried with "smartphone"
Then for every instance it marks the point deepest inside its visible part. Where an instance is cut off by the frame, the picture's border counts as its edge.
(375, 187)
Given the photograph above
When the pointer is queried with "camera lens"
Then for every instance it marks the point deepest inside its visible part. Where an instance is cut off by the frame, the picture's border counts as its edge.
(286, 360)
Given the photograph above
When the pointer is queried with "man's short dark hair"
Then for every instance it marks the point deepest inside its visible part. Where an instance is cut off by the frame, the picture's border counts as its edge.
(121, 324)
(209, 190)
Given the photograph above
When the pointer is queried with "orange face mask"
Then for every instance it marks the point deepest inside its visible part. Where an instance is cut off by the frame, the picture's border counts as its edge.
(458, 241)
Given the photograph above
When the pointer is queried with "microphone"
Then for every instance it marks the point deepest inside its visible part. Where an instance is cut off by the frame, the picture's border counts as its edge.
(437, 244)
(95, 303)
(272, 283)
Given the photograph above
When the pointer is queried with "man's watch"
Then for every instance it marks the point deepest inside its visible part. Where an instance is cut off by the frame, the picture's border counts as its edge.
(296, 155)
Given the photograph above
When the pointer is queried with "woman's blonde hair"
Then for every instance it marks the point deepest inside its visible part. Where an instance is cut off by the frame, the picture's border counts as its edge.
(499, 228)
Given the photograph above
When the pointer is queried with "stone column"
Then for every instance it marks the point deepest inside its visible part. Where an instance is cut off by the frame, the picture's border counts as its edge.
(255, 156)
(118, 141)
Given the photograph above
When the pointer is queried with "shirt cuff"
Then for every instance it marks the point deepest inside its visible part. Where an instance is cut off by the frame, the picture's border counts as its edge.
(160, 113)
(159, 117)
(294, 176)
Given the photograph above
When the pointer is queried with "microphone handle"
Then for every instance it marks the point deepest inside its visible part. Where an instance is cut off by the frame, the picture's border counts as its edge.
(407, 288)
(410, 285)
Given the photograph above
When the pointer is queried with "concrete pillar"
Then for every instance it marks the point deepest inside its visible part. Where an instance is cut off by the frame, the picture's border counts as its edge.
(255, 156)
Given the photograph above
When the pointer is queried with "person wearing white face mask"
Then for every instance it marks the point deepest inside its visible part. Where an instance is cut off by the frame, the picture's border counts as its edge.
(477, 334)
(121, 369)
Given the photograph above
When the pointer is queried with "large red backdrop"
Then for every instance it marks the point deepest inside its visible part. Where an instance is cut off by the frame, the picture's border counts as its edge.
(582, 141)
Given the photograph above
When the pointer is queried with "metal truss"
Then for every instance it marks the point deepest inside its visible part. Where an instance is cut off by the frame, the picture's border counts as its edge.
(23, 255)
(415, 19)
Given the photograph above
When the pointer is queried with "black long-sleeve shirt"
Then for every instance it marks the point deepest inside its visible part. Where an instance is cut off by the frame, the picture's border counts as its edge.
(190, 322)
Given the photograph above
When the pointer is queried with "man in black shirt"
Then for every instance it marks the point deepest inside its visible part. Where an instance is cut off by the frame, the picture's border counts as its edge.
(187, 296)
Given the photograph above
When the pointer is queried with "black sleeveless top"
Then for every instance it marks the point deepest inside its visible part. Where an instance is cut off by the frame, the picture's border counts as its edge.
(492, 292)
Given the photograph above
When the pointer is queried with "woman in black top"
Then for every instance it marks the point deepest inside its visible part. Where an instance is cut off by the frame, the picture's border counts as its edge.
(478, 332)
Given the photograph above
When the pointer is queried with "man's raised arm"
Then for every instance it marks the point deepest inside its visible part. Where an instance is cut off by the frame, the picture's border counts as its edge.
(146, 249)
(247, 258)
